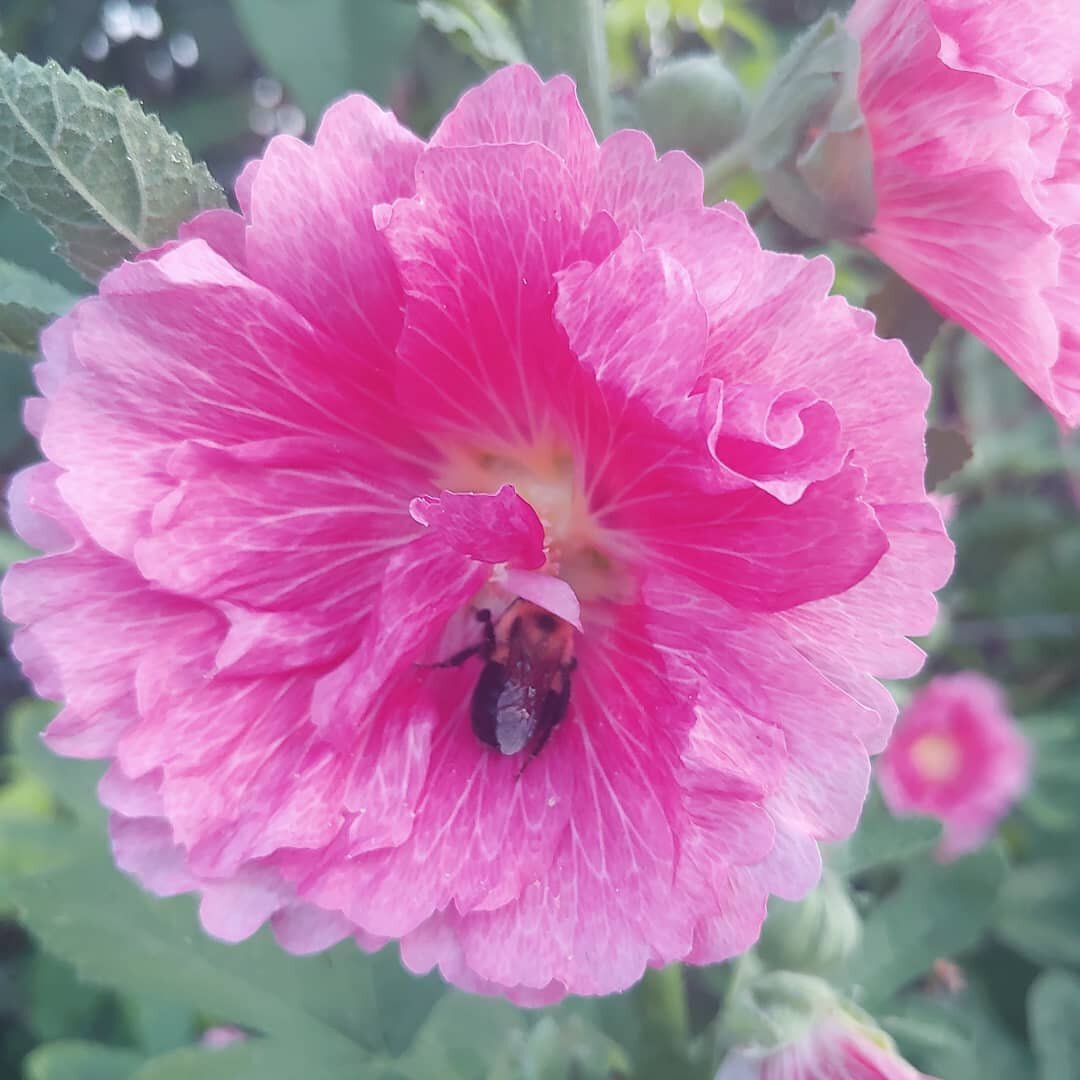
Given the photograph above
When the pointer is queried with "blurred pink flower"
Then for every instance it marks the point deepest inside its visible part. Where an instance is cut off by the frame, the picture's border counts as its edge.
(217, 1038)
(293, 453)
(974, 113)
(956, 755)
(835, 1048)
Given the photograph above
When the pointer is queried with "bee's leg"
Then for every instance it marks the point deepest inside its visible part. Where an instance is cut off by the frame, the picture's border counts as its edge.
(487, 646)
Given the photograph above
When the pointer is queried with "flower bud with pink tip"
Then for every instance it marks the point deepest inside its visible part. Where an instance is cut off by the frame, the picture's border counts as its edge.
(785, 1026)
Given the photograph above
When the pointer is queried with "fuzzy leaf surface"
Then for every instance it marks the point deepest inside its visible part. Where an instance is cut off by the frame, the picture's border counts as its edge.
(104, 177)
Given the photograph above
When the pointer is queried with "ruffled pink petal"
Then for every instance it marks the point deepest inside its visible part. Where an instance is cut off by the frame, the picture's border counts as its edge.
(223, 230)
(782, 442)
(756, 552)
(928, 223)
(311, 234)
(144, 848)
(406, 624)
(635, 322)
(63, 594)
(975, 169)
(264, 374)
(244, 183)
(515, 106)
(772, 323)
(303, 929)
(491, 528)
(635, 188)
(131, 796)
(606, 907)
(474, 807)
(1041, 52)
(480, 351)
(281, 526)
(861, 634)
(762, 693)
(1065, 299)
(37, 512)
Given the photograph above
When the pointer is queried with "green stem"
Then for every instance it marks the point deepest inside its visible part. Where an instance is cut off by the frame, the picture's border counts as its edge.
(568, 36)
(665, 1023)
(724, 167)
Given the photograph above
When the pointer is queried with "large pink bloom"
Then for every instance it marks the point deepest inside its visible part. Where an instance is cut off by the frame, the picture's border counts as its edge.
(957, 755)
(974, 113)
(293, 453)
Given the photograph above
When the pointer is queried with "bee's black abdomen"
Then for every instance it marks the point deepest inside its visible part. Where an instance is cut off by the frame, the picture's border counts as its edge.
(485, 702)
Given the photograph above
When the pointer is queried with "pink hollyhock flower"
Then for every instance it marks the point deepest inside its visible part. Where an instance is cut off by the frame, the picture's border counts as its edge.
(957, 755)
(836, 1048)
(973, 109)
(292, 456)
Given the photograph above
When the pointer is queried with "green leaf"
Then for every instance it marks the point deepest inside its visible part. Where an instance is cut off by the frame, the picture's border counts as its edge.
(28, 302)
(76, 1060)
(961, 1037)
(462, 1038)
(556, 1049)
(73, 783)
(936, 911)
(882, 839)
(157, 1024)
(322, 49)
(342, 1005)
(102, 176)
(12, 549)
(256, 1059)
(1054, 1020)
(1038, 916)
(120, 937)
(58, 1005)
(477, 27)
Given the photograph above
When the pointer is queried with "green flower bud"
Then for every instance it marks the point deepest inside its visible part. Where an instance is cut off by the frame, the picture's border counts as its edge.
(807, 140)
(815, 935)
(778, 1008)
(784, 1024)
(692, 103)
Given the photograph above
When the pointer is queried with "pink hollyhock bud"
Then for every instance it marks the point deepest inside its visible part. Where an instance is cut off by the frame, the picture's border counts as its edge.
(217, 1038)
(479, 544)
(958, 756)
(973, 109)
(794, 1027)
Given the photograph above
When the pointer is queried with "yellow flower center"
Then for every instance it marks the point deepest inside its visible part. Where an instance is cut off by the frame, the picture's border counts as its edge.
(578, 549)
(937, 757)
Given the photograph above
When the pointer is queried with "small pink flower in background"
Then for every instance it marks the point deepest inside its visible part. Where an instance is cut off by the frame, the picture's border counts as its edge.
(294, 455)
(956, 755)
(973, 109)
(835, 1048)
(217, 1038)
